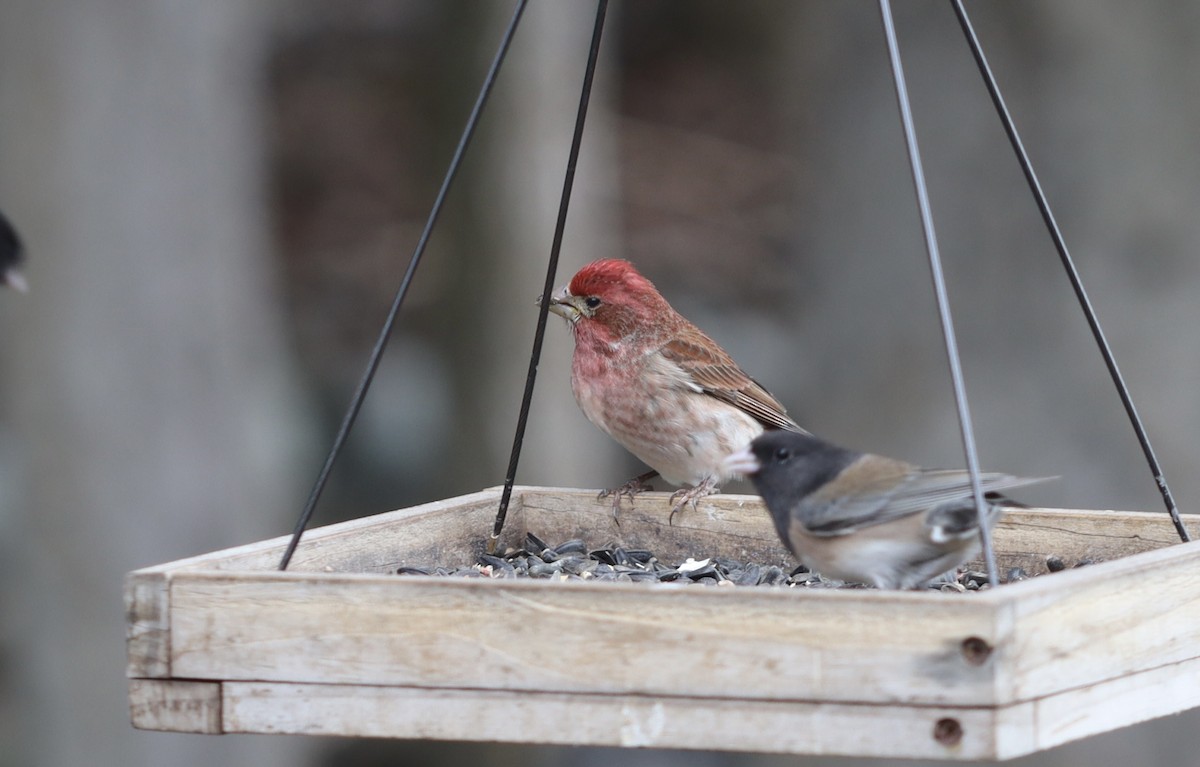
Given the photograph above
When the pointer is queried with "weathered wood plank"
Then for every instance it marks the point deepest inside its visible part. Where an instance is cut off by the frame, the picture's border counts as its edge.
(1113, 704)
(605, 720)
(175, 705)
(1091, 624)
(1025, 537)
(441, 632)
(147, 625)
(857, 645)
(448, 531)
(793, 727)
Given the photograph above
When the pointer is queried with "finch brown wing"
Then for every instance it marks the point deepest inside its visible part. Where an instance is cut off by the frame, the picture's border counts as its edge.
(716, 374)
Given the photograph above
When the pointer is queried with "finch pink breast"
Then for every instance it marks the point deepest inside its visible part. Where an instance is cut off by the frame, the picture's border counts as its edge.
(658, 385)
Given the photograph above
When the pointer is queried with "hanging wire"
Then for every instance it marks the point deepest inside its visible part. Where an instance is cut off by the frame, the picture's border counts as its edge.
(551, 271)
(1068, 264)
(939, 287)
(386, 332)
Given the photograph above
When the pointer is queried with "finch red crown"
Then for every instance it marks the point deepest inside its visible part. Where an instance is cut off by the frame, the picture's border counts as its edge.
(600, 277)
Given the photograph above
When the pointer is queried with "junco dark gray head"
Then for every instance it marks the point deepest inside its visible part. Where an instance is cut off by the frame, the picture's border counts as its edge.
(11, 256)
(866, 518)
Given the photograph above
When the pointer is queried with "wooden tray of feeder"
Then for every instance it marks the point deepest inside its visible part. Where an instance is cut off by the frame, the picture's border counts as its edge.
(341, 645)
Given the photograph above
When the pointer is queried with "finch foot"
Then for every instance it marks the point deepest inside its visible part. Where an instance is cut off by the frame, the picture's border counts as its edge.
(690, 495)
(638, 484)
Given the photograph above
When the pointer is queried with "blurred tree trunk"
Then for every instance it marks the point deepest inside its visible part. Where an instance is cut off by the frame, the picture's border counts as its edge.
(145, 388)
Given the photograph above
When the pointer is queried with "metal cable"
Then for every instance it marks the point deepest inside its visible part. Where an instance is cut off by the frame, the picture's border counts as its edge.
(1068, 264)
(551, 271)
(939, 286)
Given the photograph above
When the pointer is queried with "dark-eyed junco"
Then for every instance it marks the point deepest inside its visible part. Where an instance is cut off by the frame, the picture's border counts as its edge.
(866, 518)
(11, 256)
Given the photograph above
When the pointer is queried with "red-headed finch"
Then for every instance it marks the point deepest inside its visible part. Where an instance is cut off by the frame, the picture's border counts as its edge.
(658, 385)
(866, 518)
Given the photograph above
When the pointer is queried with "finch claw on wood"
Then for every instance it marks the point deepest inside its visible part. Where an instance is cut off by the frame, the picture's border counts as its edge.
(638, 484)
(689, 496)
(655, 382)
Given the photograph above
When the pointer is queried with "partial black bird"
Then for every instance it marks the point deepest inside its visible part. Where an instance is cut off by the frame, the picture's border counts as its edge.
(11, 256)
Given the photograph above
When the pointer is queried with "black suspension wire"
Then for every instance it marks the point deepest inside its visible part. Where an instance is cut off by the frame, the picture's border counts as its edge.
(1069, 264)
(551, 271)
(939, 286)
(388, 325)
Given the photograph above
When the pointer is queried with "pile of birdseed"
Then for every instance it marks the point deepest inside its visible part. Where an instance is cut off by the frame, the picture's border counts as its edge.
(574, 561)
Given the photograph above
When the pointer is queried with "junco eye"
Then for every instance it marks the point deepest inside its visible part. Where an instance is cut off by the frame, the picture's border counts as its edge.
(592, 302)
(782, 454)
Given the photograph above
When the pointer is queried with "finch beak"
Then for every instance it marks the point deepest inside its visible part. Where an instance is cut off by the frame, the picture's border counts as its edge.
(564, 305)
(742, 463)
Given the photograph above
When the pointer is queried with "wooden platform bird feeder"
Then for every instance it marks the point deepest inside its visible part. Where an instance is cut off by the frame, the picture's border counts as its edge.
(341, 645)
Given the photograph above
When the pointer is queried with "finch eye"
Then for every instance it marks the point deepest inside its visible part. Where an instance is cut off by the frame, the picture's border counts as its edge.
(592, 302)
(782, 454)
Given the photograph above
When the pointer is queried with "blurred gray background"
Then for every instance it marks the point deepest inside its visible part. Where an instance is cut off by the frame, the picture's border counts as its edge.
(219, 198)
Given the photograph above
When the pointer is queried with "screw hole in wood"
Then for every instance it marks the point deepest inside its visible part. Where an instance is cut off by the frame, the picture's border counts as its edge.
(976, 650)
(948, 731)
